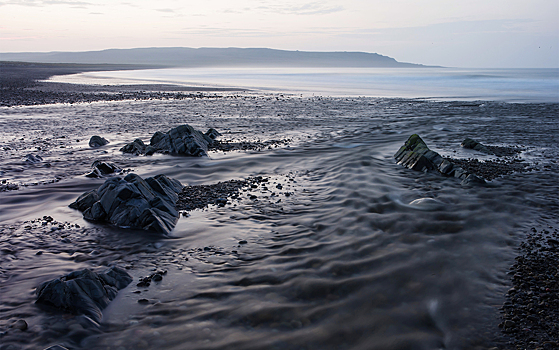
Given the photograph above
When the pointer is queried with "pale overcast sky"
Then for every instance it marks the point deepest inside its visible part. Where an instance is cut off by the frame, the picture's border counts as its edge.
(472, 33)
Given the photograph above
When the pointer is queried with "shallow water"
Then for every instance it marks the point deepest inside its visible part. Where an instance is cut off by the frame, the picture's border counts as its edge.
(362, 253)
(510, 85)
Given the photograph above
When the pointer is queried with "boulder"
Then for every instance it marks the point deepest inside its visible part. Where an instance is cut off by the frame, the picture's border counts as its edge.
(473, 144)
(212, 133)
(97, 141)
(415, 155)
(83, 292)
(133, 202)
(182, 140)
(101, 169)
(136, 147)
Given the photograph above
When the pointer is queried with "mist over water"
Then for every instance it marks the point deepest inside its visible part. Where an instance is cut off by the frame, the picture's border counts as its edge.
(361, 254)
(511, 85)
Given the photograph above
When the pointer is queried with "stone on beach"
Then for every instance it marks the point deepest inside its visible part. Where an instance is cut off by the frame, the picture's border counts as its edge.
(84, 292)
(415, 155)
(100, 169)
(97, 141)
(181, 140)
(133, 202)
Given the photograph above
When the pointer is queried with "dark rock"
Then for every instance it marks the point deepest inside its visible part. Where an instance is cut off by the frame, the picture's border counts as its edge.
(415, 155)
(8, 187)
(136, 147)
(85, 201)
(182, 140)
(97, 141)
(212, 133)
(20, 324)
(84, 292)
(499, 151)
(133, 202)
(101, 169)
(31, 158)
(150, 150)
(473, 144)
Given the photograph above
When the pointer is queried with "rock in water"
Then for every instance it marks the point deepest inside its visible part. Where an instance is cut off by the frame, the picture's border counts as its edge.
(84, 292)
(97, 141)
(100, 169)
(182, 140)
(133, 202)
(136, 147)
(31, 158)
(212, 133)
(473, 144)
(415, 155)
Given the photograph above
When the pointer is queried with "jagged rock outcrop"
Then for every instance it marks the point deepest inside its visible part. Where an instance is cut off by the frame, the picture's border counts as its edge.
(415, 155)
(84, 292)
(133, 202)
(473, 144)
(182, 140)
(101, 169)
(97, 141)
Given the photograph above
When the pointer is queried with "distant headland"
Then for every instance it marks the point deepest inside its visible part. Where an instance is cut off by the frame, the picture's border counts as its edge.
(213, 57)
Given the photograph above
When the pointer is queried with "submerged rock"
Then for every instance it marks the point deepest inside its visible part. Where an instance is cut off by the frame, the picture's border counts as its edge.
(83, 292)
(97, 141)
(183, 140)
(101, 169)
(499, 151)
(415, 155)
(473, 144)
(133, 202)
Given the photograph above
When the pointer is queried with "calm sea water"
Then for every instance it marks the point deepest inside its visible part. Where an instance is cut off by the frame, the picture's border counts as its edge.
(512, 85)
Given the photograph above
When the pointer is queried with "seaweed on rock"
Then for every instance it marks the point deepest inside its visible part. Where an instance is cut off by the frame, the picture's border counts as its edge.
(415, 155)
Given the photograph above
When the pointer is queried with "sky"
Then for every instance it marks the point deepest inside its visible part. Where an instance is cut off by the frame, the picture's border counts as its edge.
(472, 33)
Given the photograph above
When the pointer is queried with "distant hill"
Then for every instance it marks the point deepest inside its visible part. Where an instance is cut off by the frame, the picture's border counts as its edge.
(212, 57)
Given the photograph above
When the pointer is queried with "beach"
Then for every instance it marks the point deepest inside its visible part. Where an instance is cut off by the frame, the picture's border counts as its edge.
(335, 246)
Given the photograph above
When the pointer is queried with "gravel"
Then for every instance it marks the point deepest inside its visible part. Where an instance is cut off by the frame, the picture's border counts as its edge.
(530, 313)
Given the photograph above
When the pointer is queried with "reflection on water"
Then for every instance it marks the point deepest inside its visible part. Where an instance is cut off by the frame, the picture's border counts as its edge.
(362, 253)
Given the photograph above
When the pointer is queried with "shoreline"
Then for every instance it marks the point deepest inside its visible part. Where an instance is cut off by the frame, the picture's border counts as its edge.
(22, 88)
(23, 84)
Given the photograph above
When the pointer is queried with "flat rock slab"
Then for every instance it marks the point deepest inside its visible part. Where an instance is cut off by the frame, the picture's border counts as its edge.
(499, 151)
(415, 155)
(84, 292)
(133, 202)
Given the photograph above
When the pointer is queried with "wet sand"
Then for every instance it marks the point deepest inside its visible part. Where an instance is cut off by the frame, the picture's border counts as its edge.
(24, 84)
(335, 258)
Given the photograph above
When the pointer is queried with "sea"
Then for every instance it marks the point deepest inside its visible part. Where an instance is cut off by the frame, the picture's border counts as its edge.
(510, 85)
(342, 248)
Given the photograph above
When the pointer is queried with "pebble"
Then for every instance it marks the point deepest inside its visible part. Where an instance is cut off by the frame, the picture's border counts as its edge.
(201, 196)
(20, 324)
(531, 309)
